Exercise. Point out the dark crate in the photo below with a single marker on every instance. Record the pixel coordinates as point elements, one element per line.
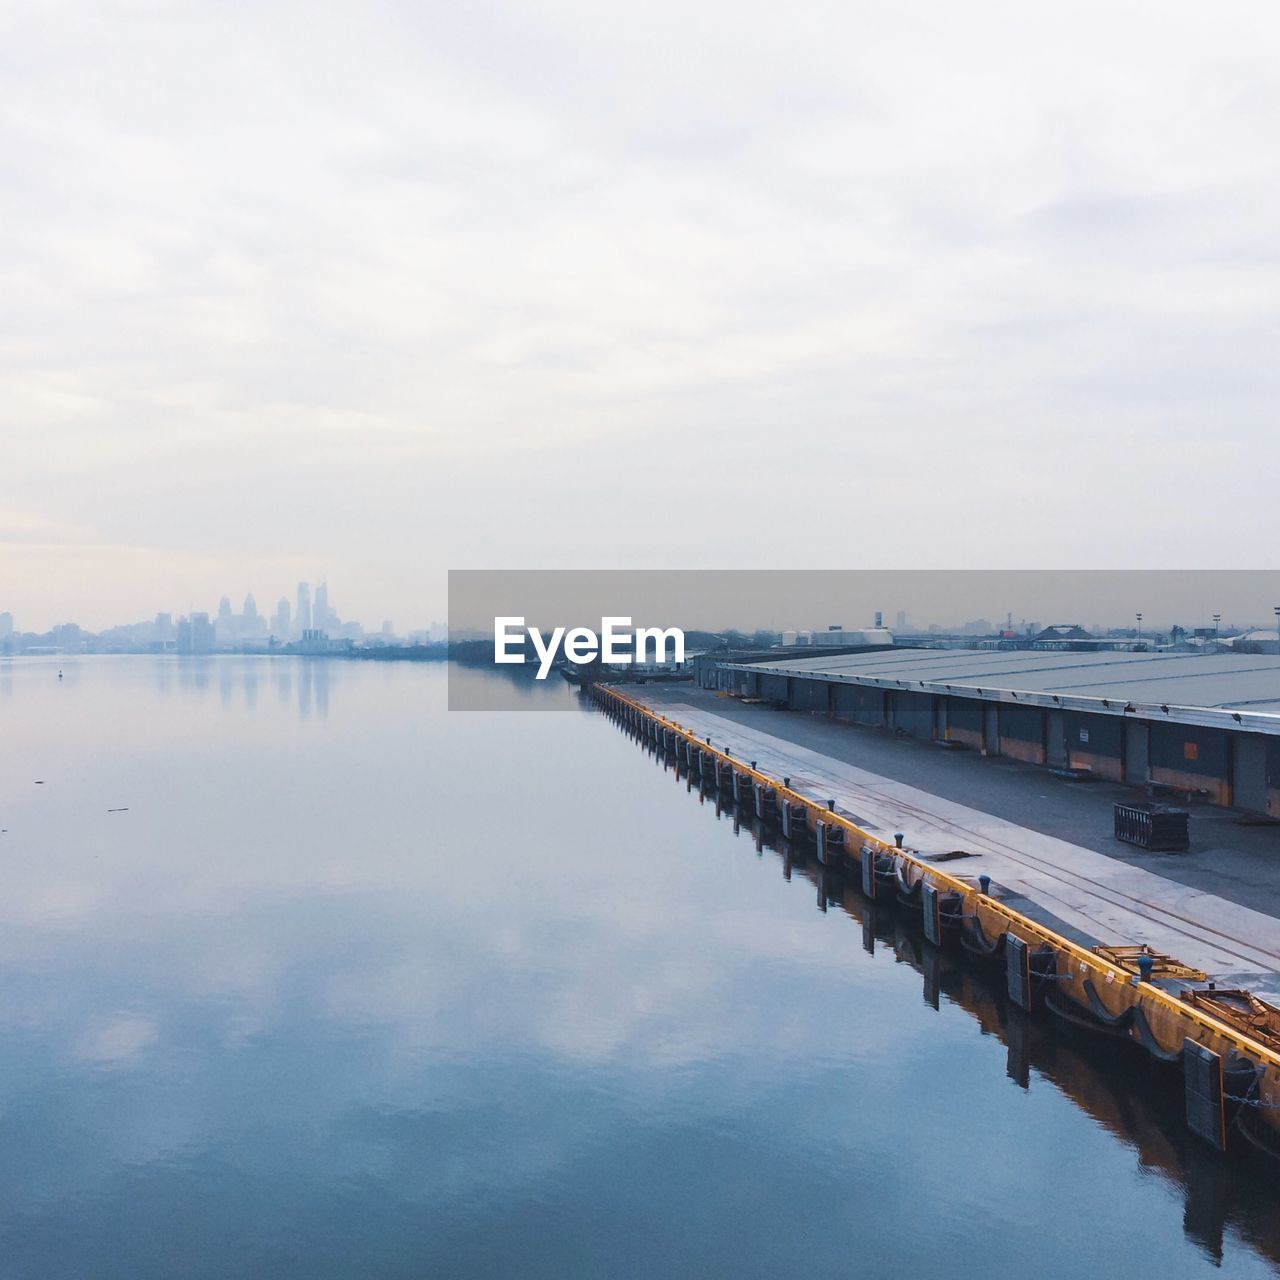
<point>1153,826</point>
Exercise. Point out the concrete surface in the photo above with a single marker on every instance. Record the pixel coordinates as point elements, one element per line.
<point>1045,838</point>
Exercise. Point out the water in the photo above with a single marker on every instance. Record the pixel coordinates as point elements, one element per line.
<point>359,987</point>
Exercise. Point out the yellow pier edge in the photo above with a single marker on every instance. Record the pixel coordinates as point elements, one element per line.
<point>1169,1018</point>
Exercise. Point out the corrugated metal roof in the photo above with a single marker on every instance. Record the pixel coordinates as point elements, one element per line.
<point>1240,691</point>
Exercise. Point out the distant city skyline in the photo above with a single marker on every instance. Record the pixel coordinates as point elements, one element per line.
<point>311,611</point>
<point>225,626</point>
<point>219,602</point>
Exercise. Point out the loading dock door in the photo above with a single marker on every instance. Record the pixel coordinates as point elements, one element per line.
<point>1055,740</point>
<point>990,729</point>
<point>1137,753</point>
<point>1248,772</point>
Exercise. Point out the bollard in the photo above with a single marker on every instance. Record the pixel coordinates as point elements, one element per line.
<point>984,884</point>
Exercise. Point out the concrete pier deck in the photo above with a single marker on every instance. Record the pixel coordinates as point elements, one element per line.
<point>1046,842</point>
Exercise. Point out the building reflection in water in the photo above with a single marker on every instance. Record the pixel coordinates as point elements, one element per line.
<point>303,682</point>
<point>312,677</point>
<point>319,675</point>
<point>282,680</point>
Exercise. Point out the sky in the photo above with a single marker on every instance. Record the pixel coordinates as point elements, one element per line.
<point>369,292</point>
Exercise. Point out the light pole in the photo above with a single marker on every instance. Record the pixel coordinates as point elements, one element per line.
<point>1138,643</point>
<point>1217,618</point>
<point>1278,628</point>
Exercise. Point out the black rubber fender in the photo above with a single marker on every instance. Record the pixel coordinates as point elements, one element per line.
<point>907,892</point>
<point>1240,1076</point>
<point>1257,1133</point>
<point>1147,1037</point>
<point>975,939</point>
<point>1095,1019</point>
<point>1118,1021</point>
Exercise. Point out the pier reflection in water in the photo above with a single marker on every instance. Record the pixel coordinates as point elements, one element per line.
<point>1121,1088</point>
<point>359,987</point>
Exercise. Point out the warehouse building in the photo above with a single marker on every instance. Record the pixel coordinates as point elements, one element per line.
<point>1203,725</point>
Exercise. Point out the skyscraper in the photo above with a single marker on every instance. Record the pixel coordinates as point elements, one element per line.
<point>225,628</point>
<point>320,618</point>
<point>202,633</point>
<point>253,626</point>
<point>195,634</point>
<point>302,615</point>
<point>280,623</point>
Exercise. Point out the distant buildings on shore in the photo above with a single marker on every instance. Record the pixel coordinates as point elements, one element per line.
<point>310,626</point>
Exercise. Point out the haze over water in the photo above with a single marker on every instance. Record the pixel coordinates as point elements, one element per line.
<point>349,985</point>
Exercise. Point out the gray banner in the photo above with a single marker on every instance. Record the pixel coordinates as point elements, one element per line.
<point>725,611</point>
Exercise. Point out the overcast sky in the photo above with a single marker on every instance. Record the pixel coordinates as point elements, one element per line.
<point>372,291</point>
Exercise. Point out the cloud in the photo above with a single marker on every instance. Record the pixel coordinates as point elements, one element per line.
<point>377,284</point>
<point>116,1039</point>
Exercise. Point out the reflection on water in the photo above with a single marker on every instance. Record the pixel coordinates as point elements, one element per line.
<point>1136,1099</point>
<point>301,683</point>
<point>356,987</point>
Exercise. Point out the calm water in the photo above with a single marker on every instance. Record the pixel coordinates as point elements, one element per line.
<point>357,987</point>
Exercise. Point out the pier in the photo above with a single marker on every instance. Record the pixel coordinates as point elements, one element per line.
<point>1190,975</point>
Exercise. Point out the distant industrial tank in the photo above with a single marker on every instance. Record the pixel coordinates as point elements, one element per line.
<point>859,636</point>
